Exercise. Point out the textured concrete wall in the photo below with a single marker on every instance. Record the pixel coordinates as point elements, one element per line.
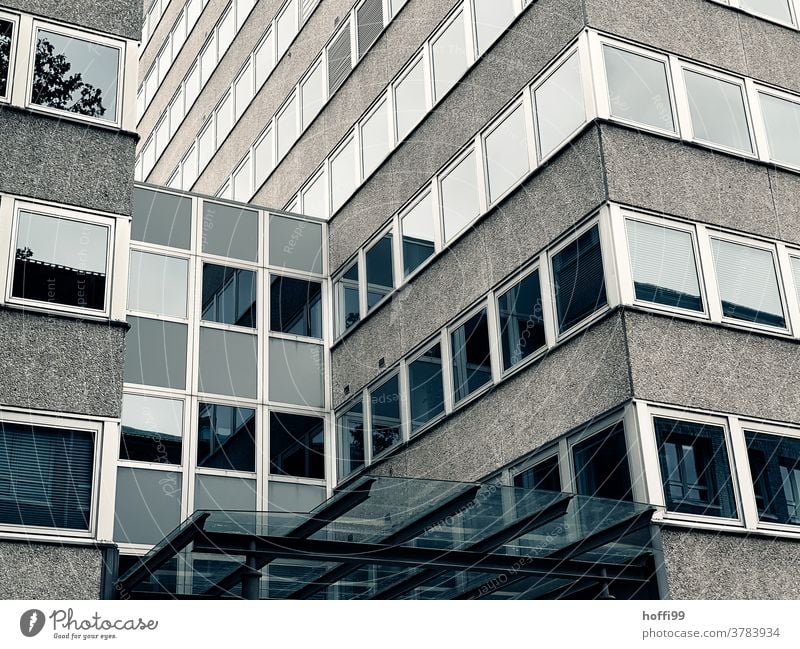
<point>712,565</point>
<point>41,571</point>
<point>77,164</point>
<point>62,364</point>
<point>119,17</point>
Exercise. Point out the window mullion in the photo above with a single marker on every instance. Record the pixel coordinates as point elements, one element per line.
<point>685,129</point>
<point>649,452</point>
<point>742,475</point>
<point>761,141</point>
<point>548,303</point>
<point>709,273</point>
<point>790,291</point>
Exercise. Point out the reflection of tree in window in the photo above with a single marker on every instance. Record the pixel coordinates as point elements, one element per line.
<point>6,31</point>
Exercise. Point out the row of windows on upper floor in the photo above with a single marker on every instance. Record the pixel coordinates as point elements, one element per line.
<point>151,19</point>
<point>631,85</point>
<point>626,257</point>
<point>784,12</point>
<point>61,70</point>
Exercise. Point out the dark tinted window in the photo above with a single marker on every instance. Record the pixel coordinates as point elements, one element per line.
<point>296,306</point>
<point>775,467</point>
<point>155,353</point>
<point>521,320</point>
<point>152,429</point>
<point>426,387</point>
<point>578,276</point>
<point>379,271</point>
<point>295,244</point>
<point>161,218</point>
<point>601,465</point>
<point>226,438</point>
<point>6,34</point>
<point>297,445</point>
<point>230,231</point>
<point>229,295</point>
<point>471,355</point>
<point>350,436</point>
<point>544,475</point>
<point>385,413</point>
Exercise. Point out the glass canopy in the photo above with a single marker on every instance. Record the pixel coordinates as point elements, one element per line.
<point>398,538</point>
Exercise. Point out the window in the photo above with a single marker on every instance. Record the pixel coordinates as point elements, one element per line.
<point>748,284</point>
<point>601,465</point>
<point>243,9</point>
<point>663,265</point>
<point>296,306</point>
<point>312,92</point>
<point>507,153</point>
<point>297,445</point>
<point>157,284</point>
<point>397,5</point>
<point>189,168</point>
<point>229,295</point>
<point>148,505</point>
<point>208,61</point>
<point>192,85</point>
<point>343,175</point>
<point>426,389</point>
<point>559,105</point>
<point>287,127</point>
<point>542,475</point>
<point>385,415</point>
<point>417,226</point>
<point>459,192</point>
<point>150,85</point>
<point>775,468</point>
<point>225,32</point>
<point>242,181</point>
<point>265,59</point>
<point>291,496</point>
<point>76,75</point>
<point>286,26</point>
<point>347,299</point>
<point>795,263</point>
<point>295,244</point>
<point>224,115</point>
<point>155,353</point>
<point>225,493</point>
<point>161,136</point>
<point>176,112</point>
<point>375,138</point>
<point>296,373</point>
<point>492,17</point>
<point>339,59</point>
<point>178,35</point>
<point>243,91</point>
<point>152,429</point>
<point>350,440</point>
<point>521,320</point>
<point>230,231</point>
<point>449,56</point>
<point>46,476</point>
<point>472,367</point>
<point>164,62</point>
<point>315,197</point>
<point>695,471</point>
<point>205,144</point>
<point>228,363</point>
<point>777,9</point>
<point>782,123</point>
<point>578,279</point>
<point>7,34</point>
<point>369,21</point>
<point>718,111</point>
<point>61,261</point>
<point>410,104</point>
<point>161,218</point>
<point>226,437</point>
<point>380,271</point>
<point>638,89</point>
<point>264,156</point>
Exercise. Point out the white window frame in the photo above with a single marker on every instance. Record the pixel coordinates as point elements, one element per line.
<point>737,4</point>
<point>760,121</point>
<point>520,103</point>
<point>321,175</point>
<point>461,11</point>
<point>412,358</point>
<point>482,305</point>
<point>423,59</point>
<point>440,177</point>
<point>367,248</point>
<point>143,248</point>
<point>427,191</point>
<point>350,139</point>
<point>337,278</point>
<point>382,103</point>
<point>551,450</point>
<point>293,99</point>
<point>307,116</point>
<point>384,379</point>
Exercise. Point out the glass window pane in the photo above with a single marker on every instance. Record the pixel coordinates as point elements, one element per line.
<point>192,86</point>
<point>157,284</point>
<point>492,17</point>
<point>242,186</point>
<point>507,153</point>
<point>315,197</point>
<point>208,61</point>
<point>230,231</point>
<point>229,295</point>
<point>75,75</point>
<point>663,265</point>
<point>449,56</point>
<point>777,9</point>
<point>295,244</point>
<point>748,285</point>
<point>155,353</point>
<point>775,468</point>
<point>297,445</point>
<point>521,320</point>
<point>375,141</point>
<point>559,105</point>
<point>460,203</point>
<point>243,90</point>
<point>409,100</point>
<point>694,468</point>
<point>343,175</point>
<point>795,261</point>
<point>60,261</point>
<point>350,436</point>
<point>417,226</point>
<point>264,155</point>
<point>152,429</point>
<point>426,387</point>
<point>295,306</point>
<point>601,465</point>
<point>224,115</point>
<point>472,367</point>
<point>6,36</point>
<point>718,113</point>
<point>226,437</point>
<point>228,363</point>
<point>148,505</point>
<point>226,32</point>
<point>293,497</point>
<point>637,88</point>
<point>296,372</point>
<point>229,494</point>
<point>346,292</point>
<point>265,59</point>
<point>161,218</point>
<point>580,287</point>
<point>189,169</point>
<point>287,26</point>
<point>287,128</point>
<point>380,278</point>
<point>544,475</point>
<point>385,415</point>
<point>782,122</point>
<point>313,94</point>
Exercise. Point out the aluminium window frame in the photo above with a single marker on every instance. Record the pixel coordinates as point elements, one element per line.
<point>551,450</point>
<point>14,19</point>
<point>422,58</point>
<point>267,437</point>
<point>383,102</point>
<point>229,402</point>
<point>483,304</point>
<point>401,407</point>
<point>152,392</point>
<point>318,66</point>
<point>461,11</point>
<point>144,248</point>
<point>321,175</point>
<point>364,285</point>
<point>288,273</point>
<point>352,138</point>
<point>473,148</point>
<point>429,191</point>
<point>759,89</point>
<point>356,261</point>
<point>440,339</point>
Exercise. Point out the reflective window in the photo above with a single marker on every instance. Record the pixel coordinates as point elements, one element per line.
<point>521,320</point>
<point>155,353</point>
<point>75,75</point>
<point>226,437</point>
<point>157,284</point>
<point>226,32</point>
<point>449,57</point>
<point>161,218</point>
<point>346,293</point>
<point>297,445</point>
<point>417,226</point>
<point>229,295</point>
<point>601,465</point>
<point>228,363</point>
<point>559,105</point>
<point>380,277</point>
<point>507,153</point>
<point>230,231</point>
<point>148,505</point>
<point>312,91</point>
<point>293,497</point>
<point>315,199</point>
<point>265,59</point>
<point>694,468</point>
<point>343,175</point>
<point>264,157</point>
<point>580,288</point>
<point>775,468</point>
<point>748,284</point>
<point>543,475</point>
<point>60,261</point>
<point>426,389</point>
<point>472,367</point>
<point>492,17</point>
<point>409,100</point>
<point>385,415</point>
<point>295,306</point>
<point>777,9</point>
<point>296,373</point>
<point>663,265</point>
<point>718,112</point>
<point>286,26</point>
<point>224,115</point>
<point>375,140</point>
<point>295,244</point>
<point>460,202</point>
<point>152,429</point>
<point>637,88</point>
<point>287,127</point>
<point>782,123</point>
<point>242,182</point>
<point>350,440</point>
<point>243,90</point>
<point>226,493</point>
<point>6,38</point>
